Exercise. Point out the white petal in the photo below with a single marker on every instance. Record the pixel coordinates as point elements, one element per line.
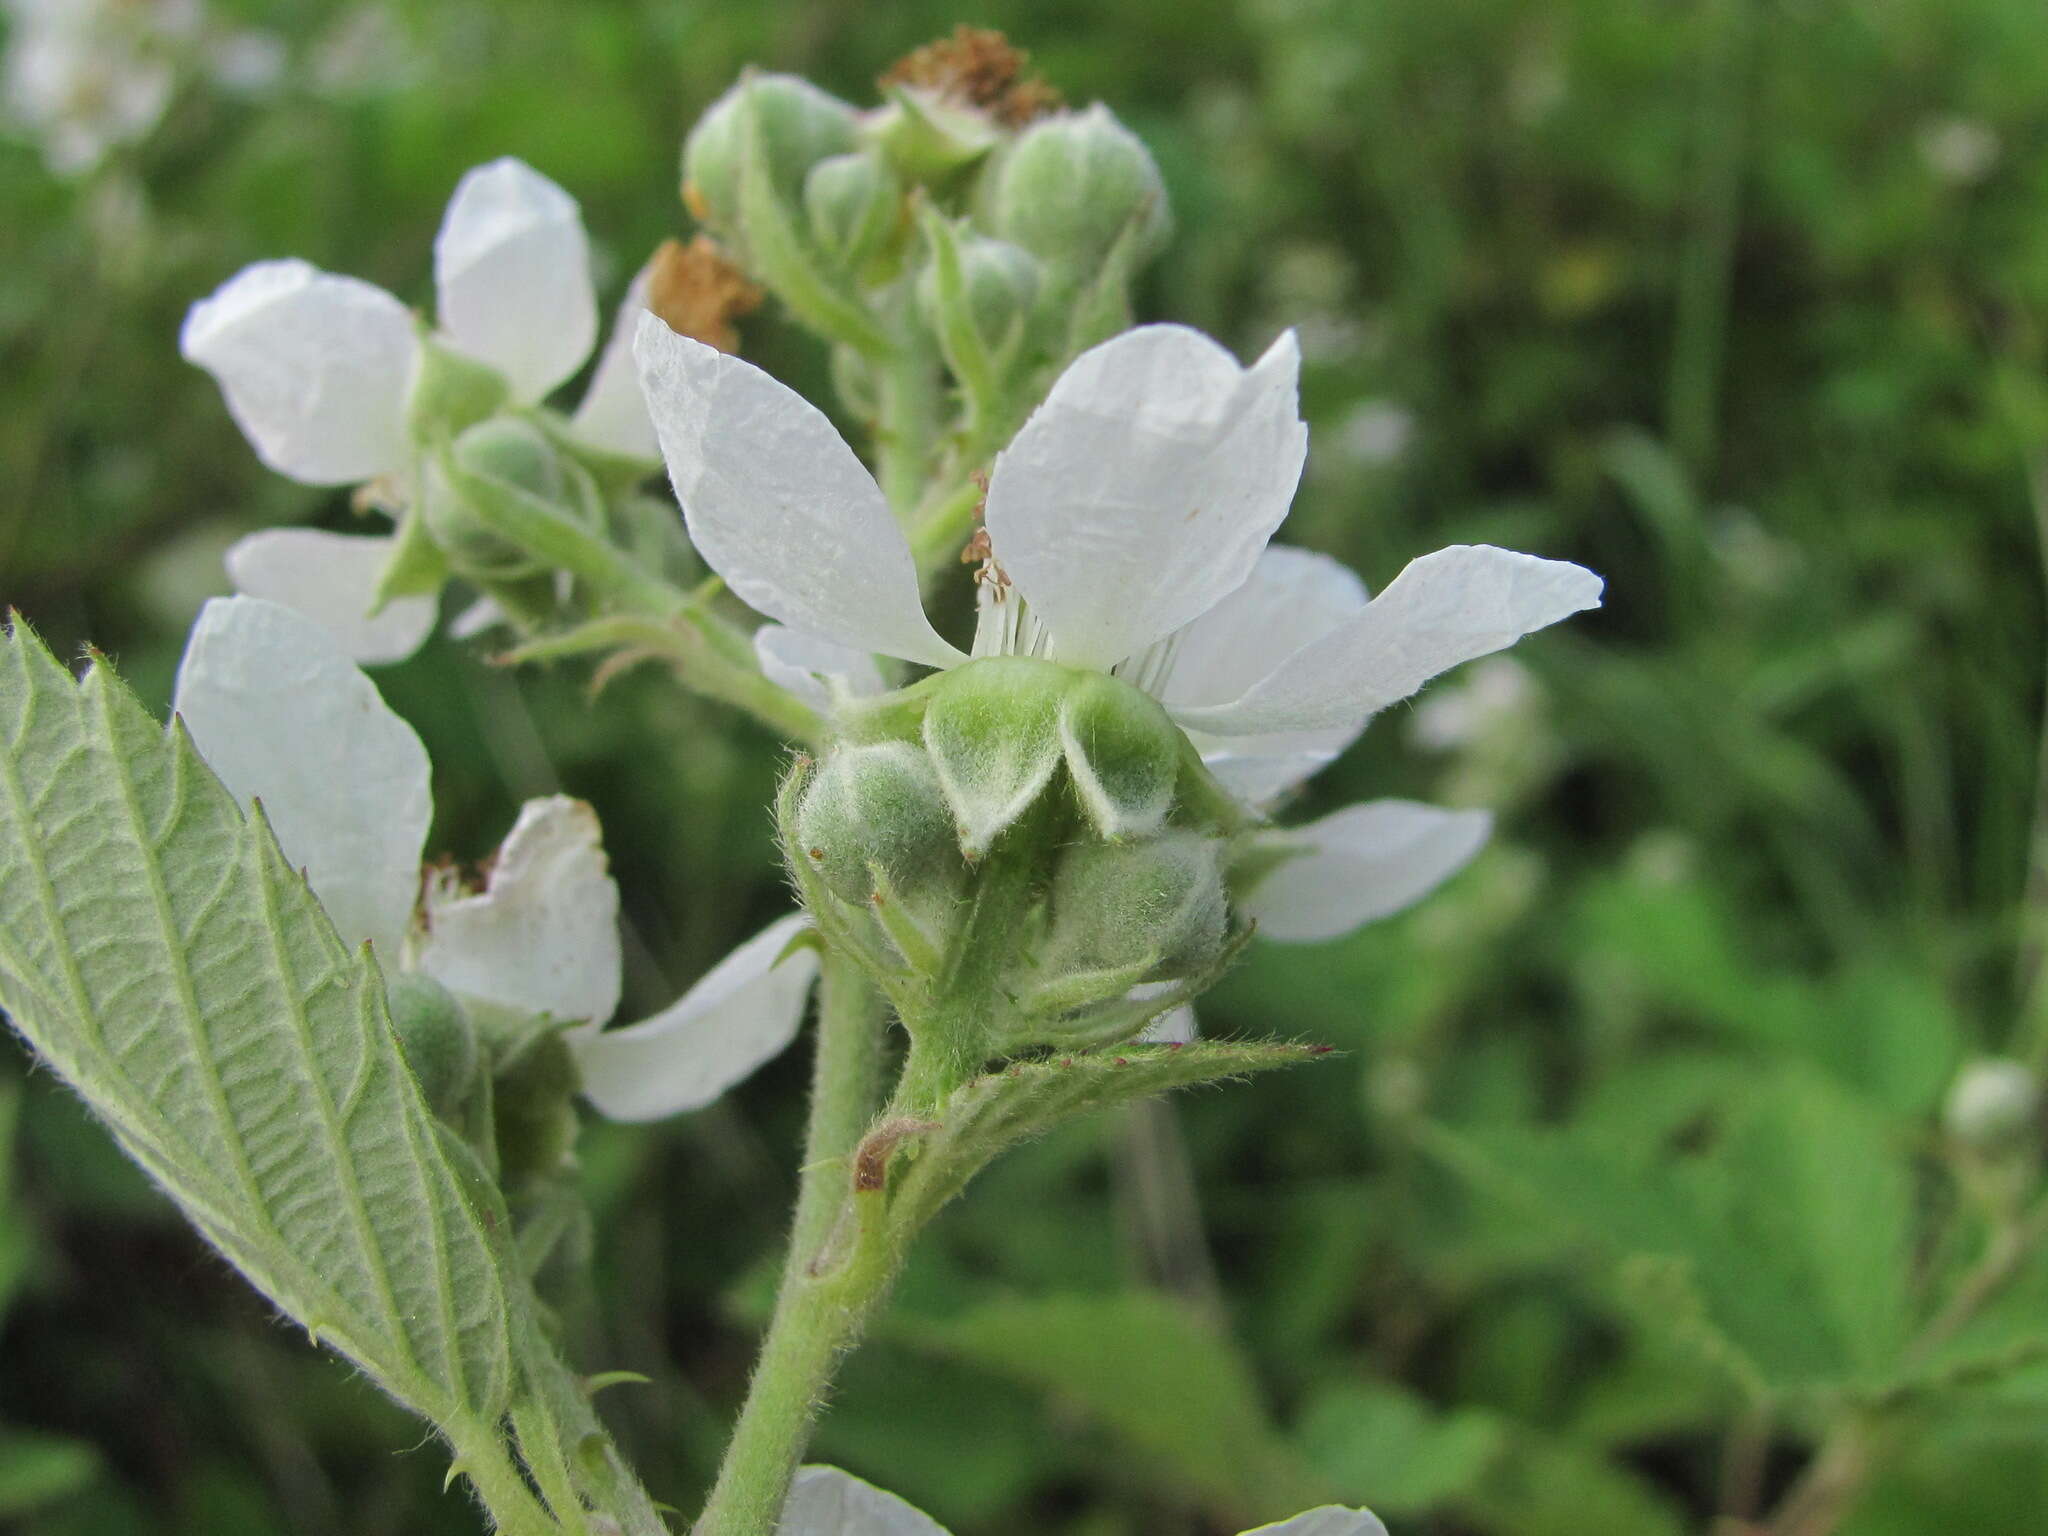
<point>482,615</point>
<point>315,368</point>
<point>332,579</point>
<point>1330,1520</point>
<point>1176,1026</point>
<point>820,672</point>
<point>824,1501</point>
<point>1362,863</point>
<point>1260,778</point>
<point>512,271</point>
<point>1293,596</point>
<point>1141,492</point>
<point>613,413</point>
<point>543,934</point>
<point>779,505</point>
<point>1457,604</point>
<point>282,715</point>
<point>740,1015</point>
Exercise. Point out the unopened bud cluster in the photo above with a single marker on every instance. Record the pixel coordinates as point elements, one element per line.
<point>1020,831</point>
<point>986,225</point>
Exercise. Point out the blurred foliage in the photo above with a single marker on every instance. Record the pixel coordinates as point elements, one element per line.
<point>1631,1188</point>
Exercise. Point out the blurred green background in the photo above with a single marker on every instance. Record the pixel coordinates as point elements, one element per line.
<point>1630,1185</point>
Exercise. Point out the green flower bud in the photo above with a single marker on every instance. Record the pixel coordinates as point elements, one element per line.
<point>1992,1103</point>
<point>875,811</point>
<point>992,730</point>
<point>497,473</point>
<point>1000,283</point>
<point>1073,185</point>
<point>437,1037</point>
<point>1145,911</point>
<point>534,1101</point>
<point>1133,912</point>
<point>798,126</point>
<point>1123,753</point>
<point>854,205</point>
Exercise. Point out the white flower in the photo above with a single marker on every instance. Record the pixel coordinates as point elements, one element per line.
<point>1128,529</point>
<point>86,76</point>
<point>283,716</point>
<point>318,371</point>
<point>824,1501</point>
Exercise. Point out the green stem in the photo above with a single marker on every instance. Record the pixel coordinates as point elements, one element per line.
<point>846,1091</point>
<point>818,1314</point>
<point>481,1457</point>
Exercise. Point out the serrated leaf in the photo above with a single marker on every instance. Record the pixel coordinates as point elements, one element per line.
<point>158,951</point>
<point>1172,1387</point>
<point>987,1114</point>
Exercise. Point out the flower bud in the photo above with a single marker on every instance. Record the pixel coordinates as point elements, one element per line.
<point>1146,911</point>
<point>1072,187</point>
<point>500,466</point>
<point>854,205</point>
<point>1000,284</point>
<point>993,734</point>
<point>797,126</point>
<point>1991,1103</point>
<point>878,810</point>
<point>1123,753</point>
<point>533,1100</point>
<point>437,1037</point>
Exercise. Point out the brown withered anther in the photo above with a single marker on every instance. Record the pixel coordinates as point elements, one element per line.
<point>979,68</point>
<point>699,292</point>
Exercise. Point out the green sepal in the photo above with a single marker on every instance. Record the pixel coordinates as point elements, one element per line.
<point>929,142</point>
<point>1123,753</point>
<point>416,566</point>
<point>451,392</point>
<point>993,733</point>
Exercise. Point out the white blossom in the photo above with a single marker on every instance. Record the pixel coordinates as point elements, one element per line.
<point>87,76</point>
<point>285,719</point>
<point>824,1501</point>
<point>318,370</point>
<point>1127,530</point>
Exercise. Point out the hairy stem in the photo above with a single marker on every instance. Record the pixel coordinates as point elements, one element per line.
<point>480,1456</point>
<point>820,1306</point>
<point>846,1091</point>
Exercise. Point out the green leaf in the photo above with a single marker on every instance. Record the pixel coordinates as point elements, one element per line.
<point>162,955</point>
<point>995,1111</point>
<point>1174,1388</point>
<point>1387,1448</point>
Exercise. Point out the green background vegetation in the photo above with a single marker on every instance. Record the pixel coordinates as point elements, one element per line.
<point>1629,1186</point>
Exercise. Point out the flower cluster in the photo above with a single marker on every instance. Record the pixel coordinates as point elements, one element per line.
<point>335,382</point>
<point>289,722</point>
<point>1129,601</point>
